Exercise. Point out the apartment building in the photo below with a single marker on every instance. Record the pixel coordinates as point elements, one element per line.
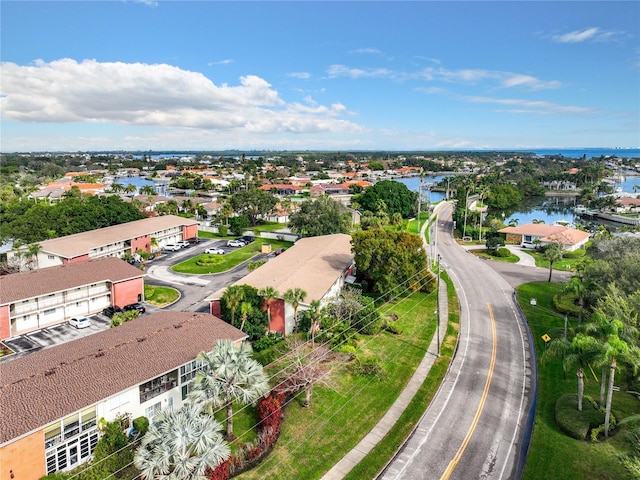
<point>40,298</point>
<point>52,400</point>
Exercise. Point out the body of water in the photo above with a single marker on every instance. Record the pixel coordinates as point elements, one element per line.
<point>588,152</point>
<point>139,182</point>
<point>413,184</point>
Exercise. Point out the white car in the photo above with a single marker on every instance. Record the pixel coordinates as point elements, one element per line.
<point>172,247</point>
<point>80,322</point>
<point>183,244</point>
<point>235,243</point>
<point>214,251</point>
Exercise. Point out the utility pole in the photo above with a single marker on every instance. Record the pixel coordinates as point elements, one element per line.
<point>419,198</point>
<point>438,308</point>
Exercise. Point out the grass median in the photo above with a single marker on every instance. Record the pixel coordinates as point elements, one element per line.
<point>205,264</point>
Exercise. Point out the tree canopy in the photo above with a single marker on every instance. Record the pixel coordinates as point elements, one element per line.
<point>253,203</point>
<point>33,222</point>
<point>323,216</point>
<point>396,197</point>
<point>390,262</point>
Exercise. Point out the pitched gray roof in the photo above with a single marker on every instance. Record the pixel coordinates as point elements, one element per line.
<point>47,385</point>
<point>34,283</point>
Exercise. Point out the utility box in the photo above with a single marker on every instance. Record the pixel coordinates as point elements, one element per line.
<point>266,248</point>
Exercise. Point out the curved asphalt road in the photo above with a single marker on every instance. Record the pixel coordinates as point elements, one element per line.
<point>474,427</point>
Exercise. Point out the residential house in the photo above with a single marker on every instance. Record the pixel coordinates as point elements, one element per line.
<point>317,265</point>
<point>113,241</point>
<point>53,399</point>
<point>44,297</point>
<point>531,235</point>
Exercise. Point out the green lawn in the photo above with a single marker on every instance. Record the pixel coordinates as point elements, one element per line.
<point>566,264</point>
<point>160,296</point>
<point>552,451</point>
<point>482,253</point>
<point>222,263</point>
<point>313,439</point>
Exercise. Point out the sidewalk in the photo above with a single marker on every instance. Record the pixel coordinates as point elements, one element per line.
<point>352,458</point>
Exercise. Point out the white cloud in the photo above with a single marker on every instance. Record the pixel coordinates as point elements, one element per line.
<point>300,75</point>
<point>153,95</point>
<point>226,61</point>
<point>593,34</point>
<point>344,71</point>
<point>367,51</point>
<point>465,76</point>
<point>540,107</point>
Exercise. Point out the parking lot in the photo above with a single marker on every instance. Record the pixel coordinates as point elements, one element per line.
<point>54,335</point>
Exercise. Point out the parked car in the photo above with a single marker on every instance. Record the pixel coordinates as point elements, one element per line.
<point>214,251</point>
<point>278,251</point>
<point>193,241</point>
<point>235,243</point>
<point>247,239</point>
<point>80,322</point>
<point>134,306</point>
<point>172,247</point>
<point>184,244</point>
<point>111,311</point>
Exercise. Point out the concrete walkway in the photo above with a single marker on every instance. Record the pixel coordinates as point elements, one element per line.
<point>523,257</point>
<point>352,458</point>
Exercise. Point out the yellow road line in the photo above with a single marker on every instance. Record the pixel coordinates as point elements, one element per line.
<point>454,463</point>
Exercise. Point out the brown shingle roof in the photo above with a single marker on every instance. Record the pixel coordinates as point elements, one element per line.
<point>80,243</point>
<point>312,264</point>
<point>24,285</point>
<point>47,385</point>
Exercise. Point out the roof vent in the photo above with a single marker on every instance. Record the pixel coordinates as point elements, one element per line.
<point>178,326</point>
<point>140,339</point>
<point>49,372</point>
<point>99,354</point>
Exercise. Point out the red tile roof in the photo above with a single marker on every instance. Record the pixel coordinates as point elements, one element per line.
<point>44,386</point>
<point>43,281</point>
<point>549,233</point>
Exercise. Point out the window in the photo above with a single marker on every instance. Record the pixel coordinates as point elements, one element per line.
<point>118,401</point>
<point>158,385</point>
<point>49,311</point>
<point>152,411</point>
<point>188,372</point>
<point>51,257</point>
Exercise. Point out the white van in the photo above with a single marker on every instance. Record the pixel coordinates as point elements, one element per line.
<point>80,322</point>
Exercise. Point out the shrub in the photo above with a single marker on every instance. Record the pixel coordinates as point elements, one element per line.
<point>141,425</point>
<point>575,253</point>
<point>348,350</point>
<point>221,472</point>
<point>574,423</point>
<point>503,253</point>
<point>268,341</point>
<point>222,231</point>
<point>368,366</point>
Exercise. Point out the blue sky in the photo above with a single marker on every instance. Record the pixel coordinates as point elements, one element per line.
<point>326,75</point>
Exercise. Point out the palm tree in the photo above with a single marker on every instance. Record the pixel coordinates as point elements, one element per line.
<point>32,251</point>
<point>579,352</point>
<point>233,297</point>
<point>229,375</point>
<point>246,309</point>
<point>553,253</point>
<point>269,294</point>
<point>316,316</point>
<point>295,296</point>
<point>579,288</point>
<point>147,190</point>
<point>130,188</point>
<point>117,187</point>
<point>181,444</point>
<point>226,210</point>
